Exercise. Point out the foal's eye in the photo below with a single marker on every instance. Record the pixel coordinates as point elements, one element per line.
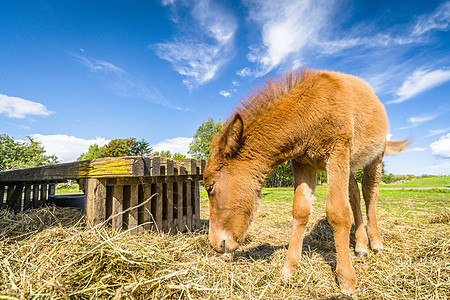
<point>209,187</point>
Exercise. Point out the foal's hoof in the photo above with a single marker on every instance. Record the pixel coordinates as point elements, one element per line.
<point>361,254</point>
<point>377,251</point>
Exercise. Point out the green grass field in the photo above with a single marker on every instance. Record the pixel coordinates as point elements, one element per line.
<point>47,253</point>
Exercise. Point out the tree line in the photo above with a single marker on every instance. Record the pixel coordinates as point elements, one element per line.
<point>31,153</point>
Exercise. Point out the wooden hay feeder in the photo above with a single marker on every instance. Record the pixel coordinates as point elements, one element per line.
<point>135,193</point>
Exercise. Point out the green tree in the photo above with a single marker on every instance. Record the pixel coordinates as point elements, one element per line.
<point>118,148</point>
<point>167,154</point>
<point>281,176</point>
<point>177,155</point>
<point>18,155</point>
<point>93,152</point>
<point>200,147</point>
<point>163,153</point>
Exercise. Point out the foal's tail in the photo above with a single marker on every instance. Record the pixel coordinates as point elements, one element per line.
<point>395,147</point>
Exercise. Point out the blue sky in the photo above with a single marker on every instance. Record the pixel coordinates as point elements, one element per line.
<point>73,73</point>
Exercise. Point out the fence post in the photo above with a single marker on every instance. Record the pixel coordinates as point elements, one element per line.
<point>95,200</point>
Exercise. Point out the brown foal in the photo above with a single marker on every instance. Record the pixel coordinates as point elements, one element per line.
<point>320,121</point>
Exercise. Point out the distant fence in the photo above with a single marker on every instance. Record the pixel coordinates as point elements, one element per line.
<point>154,192</point>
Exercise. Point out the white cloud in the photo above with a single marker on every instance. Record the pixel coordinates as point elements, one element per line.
<point>438,20</point>
<point>437,132</point>
<point>416,121</point>
<point>245,72</point>
<point>199,55</point>
<point>288,27</point>
<point>95,65</point>
<point>416,149</point>
<point>225,94</point>
<point>388,137</point>
<point>67,148</point>
<point>441,147</point>
<point>174,145</point>
<point>19,108</point>
<point>420,81</point>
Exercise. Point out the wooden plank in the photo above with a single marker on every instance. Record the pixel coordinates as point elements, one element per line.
<point>188,206</point>
<point>27,203</point>
<point>195,197</point>
<point>180,223</point>
<point>35,199</point>
<point>117,206</point>
<point>159,206</point>
<point>94,203</point>
<point>147,206</point>
<point>133,215</point>
<point>170,223</point>
<point>97,168</point>
<point>43,195</point>
<point>165,225</point>
<point>14,197</point>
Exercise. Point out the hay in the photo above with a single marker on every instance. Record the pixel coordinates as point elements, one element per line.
<point>47,253</point>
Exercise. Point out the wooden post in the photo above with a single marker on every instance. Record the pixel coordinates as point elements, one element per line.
<point>133,215</point>
<point>95,200</point>
<point>27,204</point>
<point>180,223</point>
<point>196,202</point>
<point>43,197</point>
<point>35,195</point>
<point>159,206</point>
<point>189,204</point>
<point>170,223</point>
<point>117,206</point>
<point>147,206</point>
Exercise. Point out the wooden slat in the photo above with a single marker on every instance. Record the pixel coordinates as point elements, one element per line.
<point>117,206</point>
<point>94,203</point>
<point>133,215</point>
<point>159,206</point>
<point>96,168</point>
<point>14,195</point>
<point>35,199</point>
<point>188,206</point>
<point>27,203</point>
<point>147,206</point>
<point>170,223</point>
<point>180,223</point>
<point>196,200</point>
<point>43,194</point>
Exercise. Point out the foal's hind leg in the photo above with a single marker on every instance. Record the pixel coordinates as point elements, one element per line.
<point>305,182</point>
<point>360,232</point>
<point>372,174</point>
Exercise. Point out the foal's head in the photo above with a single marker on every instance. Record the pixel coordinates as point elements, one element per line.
<point>232,188</point>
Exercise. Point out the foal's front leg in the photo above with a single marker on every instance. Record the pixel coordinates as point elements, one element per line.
<point>305,182</point>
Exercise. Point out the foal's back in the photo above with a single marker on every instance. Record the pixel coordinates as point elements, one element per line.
<point>340,106</point>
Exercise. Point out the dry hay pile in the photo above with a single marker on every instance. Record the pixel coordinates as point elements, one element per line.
<point>47,253</point>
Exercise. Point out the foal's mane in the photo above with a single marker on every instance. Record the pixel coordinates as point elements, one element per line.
<point>265,96</point>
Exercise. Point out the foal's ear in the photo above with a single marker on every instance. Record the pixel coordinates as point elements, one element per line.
<point>232,138</point>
